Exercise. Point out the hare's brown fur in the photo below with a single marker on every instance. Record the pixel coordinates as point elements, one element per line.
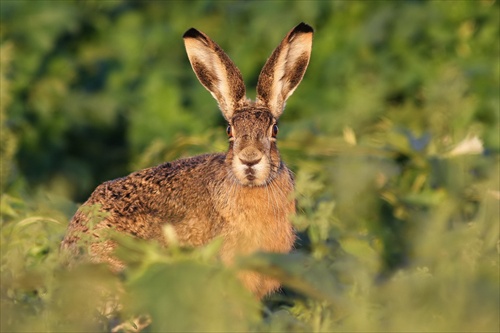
<point>245,196</point>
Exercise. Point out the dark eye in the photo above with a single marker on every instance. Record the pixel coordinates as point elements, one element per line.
<point>275,130</point>
<point>229,131</point>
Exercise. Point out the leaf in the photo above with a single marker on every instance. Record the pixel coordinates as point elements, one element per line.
<point>471,145</point>
<point>297,271</point>
<point>188,296</point>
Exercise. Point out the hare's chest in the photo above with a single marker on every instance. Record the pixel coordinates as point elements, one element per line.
<point>256,222</point>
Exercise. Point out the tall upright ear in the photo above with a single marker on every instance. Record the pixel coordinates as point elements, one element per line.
<point>215,71</point>
<point>285,69</point>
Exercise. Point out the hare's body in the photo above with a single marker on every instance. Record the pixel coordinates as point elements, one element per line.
<point>245,195</point>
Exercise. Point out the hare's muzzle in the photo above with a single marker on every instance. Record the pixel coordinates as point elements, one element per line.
<point>251,166</point>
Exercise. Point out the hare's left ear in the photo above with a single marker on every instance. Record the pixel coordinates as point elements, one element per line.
<point>215,71</point>
<point>284,69</point>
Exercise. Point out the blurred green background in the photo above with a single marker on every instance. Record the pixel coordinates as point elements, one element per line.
<point>393,136</point>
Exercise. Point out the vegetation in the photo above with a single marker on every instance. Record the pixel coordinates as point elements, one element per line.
<point>393,136</point>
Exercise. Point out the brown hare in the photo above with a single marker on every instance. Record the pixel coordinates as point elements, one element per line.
<point>245,196</point>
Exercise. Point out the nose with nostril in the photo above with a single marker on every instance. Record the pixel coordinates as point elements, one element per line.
<point>250,162</point>
<point>250,156</point>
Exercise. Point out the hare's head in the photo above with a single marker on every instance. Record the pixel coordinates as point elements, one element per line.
<point>252,126</point>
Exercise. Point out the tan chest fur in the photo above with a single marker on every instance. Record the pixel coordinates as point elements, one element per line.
<point>258,219</point>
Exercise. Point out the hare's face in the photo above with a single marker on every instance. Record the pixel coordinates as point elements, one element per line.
<point>253,156</point>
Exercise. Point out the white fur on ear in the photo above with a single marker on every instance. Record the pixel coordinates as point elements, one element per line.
<point>285,69</point>
<point>215,70</point>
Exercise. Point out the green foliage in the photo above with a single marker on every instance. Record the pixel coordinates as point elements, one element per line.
<point>393,137</point>
<point>8,141</point>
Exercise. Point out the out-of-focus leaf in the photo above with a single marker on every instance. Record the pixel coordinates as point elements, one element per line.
<point>298,271</point>
<point>191,296</point>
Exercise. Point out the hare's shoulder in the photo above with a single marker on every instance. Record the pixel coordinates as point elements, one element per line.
<point>160,175</point>
<point>145,183</point>
<point>184,165</point>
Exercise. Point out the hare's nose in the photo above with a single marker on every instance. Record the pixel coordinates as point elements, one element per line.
<point>250,156</point>
<point>251,162</point>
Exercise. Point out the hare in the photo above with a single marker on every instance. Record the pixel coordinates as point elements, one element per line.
<point>245,195</point>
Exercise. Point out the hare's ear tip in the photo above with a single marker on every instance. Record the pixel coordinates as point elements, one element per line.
<point>303,28</point>
<point>192,33</point>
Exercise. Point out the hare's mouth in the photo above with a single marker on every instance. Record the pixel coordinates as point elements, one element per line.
<point>251,175</point>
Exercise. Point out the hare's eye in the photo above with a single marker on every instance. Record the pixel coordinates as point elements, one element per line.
<point>275,130</point>
<point>229,131</point>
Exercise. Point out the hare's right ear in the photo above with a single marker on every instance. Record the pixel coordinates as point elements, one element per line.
<point>284,69</point>
<point>215,71</point>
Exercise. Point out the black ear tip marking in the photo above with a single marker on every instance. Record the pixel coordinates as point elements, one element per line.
<point>192,33</point>
<point>303,28</point>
